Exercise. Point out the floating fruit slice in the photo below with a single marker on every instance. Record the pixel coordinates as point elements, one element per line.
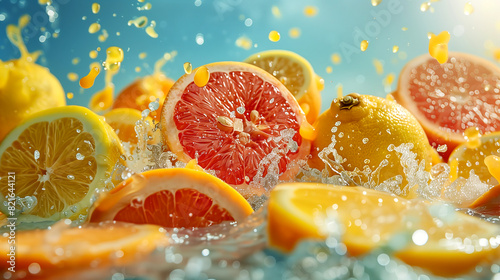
<point>61,251</point>
<point>488,203</point>
<point>174,197</point>
<point>467,157</point>
<point>297,74</point>
<point>143,91</point>
<point>448,98</point>
<point>443,242</point>
<point>57,158</point>
<point>124,120</point>
<point>365,127</point>
<point>242,115</point>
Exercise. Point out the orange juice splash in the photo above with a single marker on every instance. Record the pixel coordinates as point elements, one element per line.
<point>473,137</point>
<point>142,55</point>
<point>103,99</point>
<point>150,30</point>
<point>93,54</point>
<point>438,46</point>
<point>14,35</point>
<point>139,22</point>
<point>201,76</point>
<point>145,7</point>
<point>164,59</point>
<point>244,42</point>
<point>69,95</point>
<point>395,49</point>
<point>364,45</point>
<point>88,81</point>
<point>104,36</point>
<point>94,27</point>
<point>307,131</point>
<point>274,36</point>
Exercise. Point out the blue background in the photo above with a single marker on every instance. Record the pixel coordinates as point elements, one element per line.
<point>338,27</point>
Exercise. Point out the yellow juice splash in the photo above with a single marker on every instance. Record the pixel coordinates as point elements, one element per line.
<point>88,81</point>
<point>438,46</point>
<point>201,76</point>
<point>14,35</point>
<point>274,36</point>
<point>103,99</point>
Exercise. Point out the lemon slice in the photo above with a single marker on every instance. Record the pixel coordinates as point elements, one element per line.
<point>445,242</point>
<point>54,162</point>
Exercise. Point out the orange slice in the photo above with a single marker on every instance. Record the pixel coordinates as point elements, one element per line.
<point>143,91</point>
<point>297,74</point>
<point>175,197</point>
<point>450,97</point>
<point>447,244</point>
<point>61,251</point>
<point>233,121</point>
<point>57,159</point>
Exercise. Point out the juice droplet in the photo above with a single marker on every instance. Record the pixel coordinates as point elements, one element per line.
<point>310,11</point>
<point>276,11</point>
<point>389,79</point>
<point>473,137</point>
<point>294,32</point>
<point>93,54</point>
<point>143,55</point>
<point>336,58</point>
<point>139,22</point>
<point>137,69</point>
<point>114,58</point>
<point>188,68</point>
<point>45,2</point>
<point>150,30</point>
<point>340,91</point>
<point>75,61</point>
<point>379,67</point>
<point>307,131</point>
<point>118,33</point>
<point>274,36</point>
<point>244,42</point>
<point>94,27</point>
<point>425,6</point>
<point>395,49</point>
<point>364,45</point>
<point>492,162</point>
<point>88,81</point>
<point>201,76</point>
<point>404,28</point>
<point>95,8</point>
<point>145,7</point>
<point>438,46</point>
<point>329,69</point>
<point>164,59</point>
<point>376,2</point>
<point>104,36</point>
<point>69,95</point>
<point>72,76</point>
<point>468,9</point>
<point>102,100</point>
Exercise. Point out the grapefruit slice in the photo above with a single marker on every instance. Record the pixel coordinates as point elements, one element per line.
<point>297,74</point>
<point>233,122</point>
<point>448,98</point>
<point>55,161</point>
<point>61,251</point>
<point>174,197</point>
<point>445,244</point>
<point>143,91</point>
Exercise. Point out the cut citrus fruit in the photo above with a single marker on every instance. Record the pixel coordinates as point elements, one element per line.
<point>448,98</point>
<point>143,91</point>
<point>242,115</point>
<point>488,203</point>
<point>124,121</point>
<point>447,244</point>
<point>365,128</point>
<point>297,74</point>
<point>58,158</point>
<point>464,158</point>
<point>174,197</point>
<point>63,251</point>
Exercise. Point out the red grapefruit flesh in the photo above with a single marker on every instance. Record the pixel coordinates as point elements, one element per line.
<point>233,122</point>
<point>448,98</point>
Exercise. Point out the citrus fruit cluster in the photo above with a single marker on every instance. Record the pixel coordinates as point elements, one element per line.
<point>239,129</point>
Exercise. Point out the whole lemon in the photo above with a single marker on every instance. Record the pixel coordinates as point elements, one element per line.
<point>26,88</point>
<point>367,130</point>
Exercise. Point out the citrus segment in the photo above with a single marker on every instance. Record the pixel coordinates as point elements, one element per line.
<point>450,97</point>
<point>176,197</point>
<point>65,250</point>
<point>371,219</point>
<point>60,157</point>
<point>143,91</point>
<point>298,76</point>
<point>242,115</point>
